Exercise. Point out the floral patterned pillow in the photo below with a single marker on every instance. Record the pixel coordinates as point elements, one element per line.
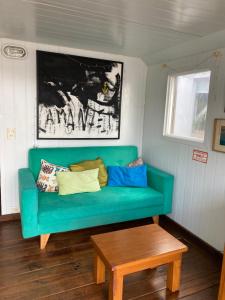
<point>137,162</point>
<point>47,176</point>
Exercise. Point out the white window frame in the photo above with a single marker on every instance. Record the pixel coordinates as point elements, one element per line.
<point>170,100</point>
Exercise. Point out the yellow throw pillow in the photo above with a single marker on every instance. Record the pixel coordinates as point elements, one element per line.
<point>92,164</point>
<point>78,182</point>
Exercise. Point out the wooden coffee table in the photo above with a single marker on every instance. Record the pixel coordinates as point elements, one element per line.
<point>127,251</point>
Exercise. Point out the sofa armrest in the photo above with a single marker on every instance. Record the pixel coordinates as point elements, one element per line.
<point>163,183</point>
<point>28,196</point>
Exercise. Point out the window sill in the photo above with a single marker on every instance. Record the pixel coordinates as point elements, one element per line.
<point>186,141</point>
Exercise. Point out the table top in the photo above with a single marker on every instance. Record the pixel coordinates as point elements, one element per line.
<point>135,244</point>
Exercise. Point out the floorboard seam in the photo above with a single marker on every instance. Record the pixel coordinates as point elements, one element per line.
<point>75,288</point>
<point>146,294</point>
<point>209,287</point>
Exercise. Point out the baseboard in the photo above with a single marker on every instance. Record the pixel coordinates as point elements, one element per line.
<point>10,217</point>
<point>191,237</point>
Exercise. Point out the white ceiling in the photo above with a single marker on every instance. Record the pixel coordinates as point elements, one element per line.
<point>140,28</point>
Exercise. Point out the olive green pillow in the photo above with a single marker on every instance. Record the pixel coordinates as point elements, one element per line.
<point>92,164</point>
<point>78,182</point>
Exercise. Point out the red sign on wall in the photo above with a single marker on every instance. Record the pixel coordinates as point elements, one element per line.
<point>200,156</point>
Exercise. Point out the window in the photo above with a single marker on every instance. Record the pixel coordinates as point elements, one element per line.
<point>186,105</point>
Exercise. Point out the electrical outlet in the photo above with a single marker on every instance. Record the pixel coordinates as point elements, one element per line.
<point>11,133</point>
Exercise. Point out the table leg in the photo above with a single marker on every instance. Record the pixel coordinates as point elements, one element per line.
<point>173,275</point>
<point>222,281</point>
<point>115,286</point>
<point>99,270</point>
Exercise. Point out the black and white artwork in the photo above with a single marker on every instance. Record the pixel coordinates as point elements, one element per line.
<point>78,97</point>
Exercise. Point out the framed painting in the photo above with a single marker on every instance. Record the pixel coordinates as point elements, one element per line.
<point>78,97</point>
<point>219,135</point>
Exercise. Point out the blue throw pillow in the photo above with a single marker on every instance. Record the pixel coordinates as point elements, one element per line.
<point>126,176</point>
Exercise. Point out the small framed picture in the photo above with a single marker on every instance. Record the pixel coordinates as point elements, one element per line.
<point>219,135</point>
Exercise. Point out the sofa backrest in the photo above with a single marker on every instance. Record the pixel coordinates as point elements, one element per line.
<point>111,155</point>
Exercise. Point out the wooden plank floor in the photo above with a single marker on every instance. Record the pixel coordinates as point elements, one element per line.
<point>64,270</point>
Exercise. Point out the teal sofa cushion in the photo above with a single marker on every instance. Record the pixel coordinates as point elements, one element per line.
<point>111,155</point>
<point>109,200</point>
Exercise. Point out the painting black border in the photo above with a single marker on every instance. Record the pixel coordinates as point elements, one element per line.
<point>37,98</point>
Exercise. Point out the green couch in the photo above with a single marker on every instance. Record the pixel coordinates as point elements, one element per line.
<point>46,213</point>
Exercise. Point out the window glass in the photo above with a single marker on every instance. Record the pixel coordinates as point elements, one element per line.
<point>186,108</point>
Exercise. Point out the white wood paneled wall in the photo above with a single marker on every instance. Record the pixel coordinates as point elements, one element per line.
<point>18,110</point>
<point>199,195</point>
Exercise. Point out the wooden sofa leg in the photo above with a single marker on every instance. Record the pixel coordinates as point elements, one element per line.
<point>43,240</point>
<point>155,219</point>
